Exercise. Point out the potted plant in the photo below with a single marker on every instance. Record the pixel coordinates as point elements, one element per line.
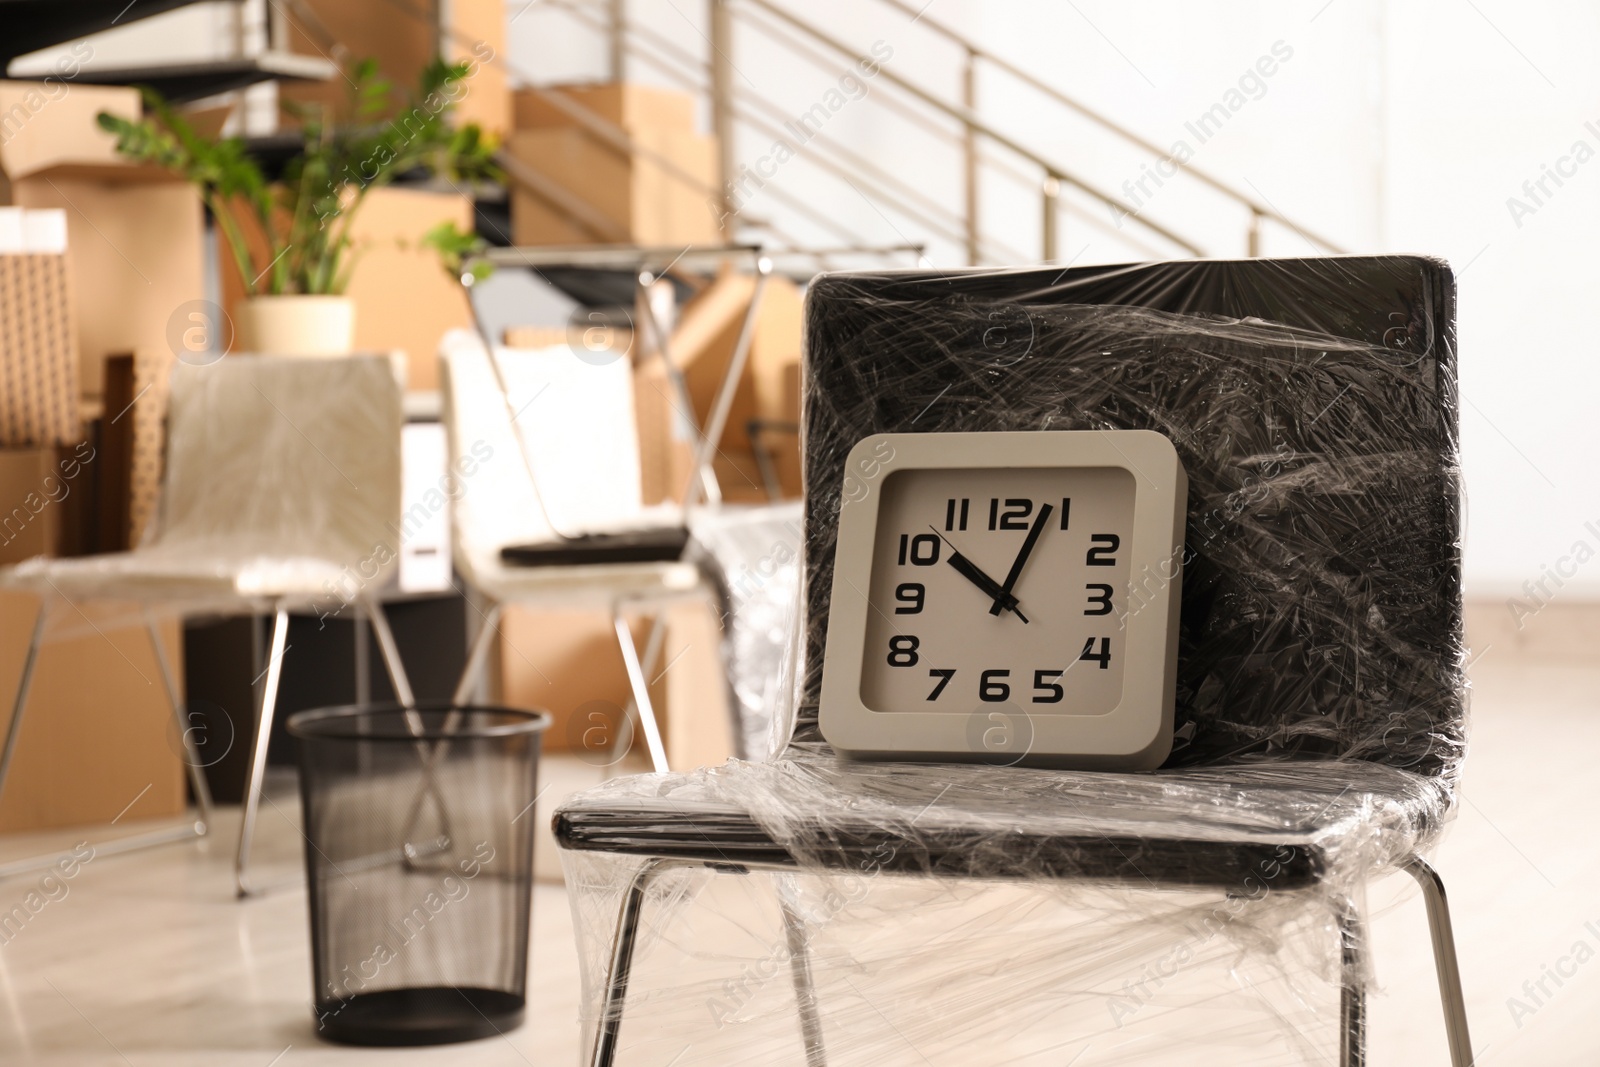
<point>291,239</point>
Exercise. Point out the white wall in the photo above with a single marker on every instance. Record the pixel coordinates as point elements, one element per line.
<point>1401,126</point>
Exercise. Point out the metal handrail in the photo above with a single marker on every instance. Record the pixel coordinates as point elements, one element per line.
<point>874,179</point>
<point>928,213</point>
<point>886,187</point>
<point>1053,171</point>
<point>619,256</point>
<point>1033,81</point>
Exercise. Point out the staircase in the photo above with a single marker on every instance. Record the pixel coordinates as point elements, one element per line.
<point>968,208</point>
<point>792,175</point>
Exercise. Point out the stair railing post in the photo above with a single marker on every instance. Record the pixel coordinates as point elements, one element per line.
<point>1052,210</point>
<point>721,70</point>
<point>969,100</point>
<point>617,38</point>
<point>1253,237</point>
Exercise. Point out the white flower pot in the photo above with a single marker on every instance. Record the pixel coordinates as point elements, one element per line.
<point>296,325</point>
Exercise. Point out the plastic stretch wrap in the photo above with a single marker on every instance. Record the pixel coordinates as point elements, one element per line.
<point>752,554</point>
<point>282,481</point>
<point>1117,918</point>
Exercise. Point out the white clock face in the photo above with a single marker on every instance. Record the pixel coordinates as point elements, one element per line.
<point>996,586</point>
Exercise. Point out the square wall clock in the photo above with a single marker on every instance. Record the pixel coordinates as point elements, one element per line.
<point>1007,598</point>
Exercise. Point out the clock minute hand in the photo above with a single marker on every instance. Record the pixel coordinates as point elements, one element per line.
<point>972,573</point>
<point>1022,558</point>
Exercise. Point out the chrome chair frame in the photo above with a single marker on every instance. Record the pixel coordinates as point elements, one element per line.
<point>1352,937</point>
<point>266,707</point>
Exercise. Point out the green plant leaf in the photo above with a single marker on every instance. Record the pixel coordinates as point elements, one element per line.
<point>306,216</point>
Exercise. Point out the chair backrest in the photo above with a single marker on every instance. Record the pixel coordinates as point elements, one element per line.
<point>1313,404</point>
<point>272,456</point>
<point>577,424</point>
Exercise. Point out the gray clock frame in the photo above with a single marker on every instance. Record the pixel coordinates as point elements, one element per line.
<point>1137,733</point>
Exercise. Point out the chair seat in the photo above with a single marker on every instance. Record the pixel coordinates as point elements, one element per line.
<point>587,585</point>
<point>175,572</point>
<point>580,584</point>
<point>1288,824</point>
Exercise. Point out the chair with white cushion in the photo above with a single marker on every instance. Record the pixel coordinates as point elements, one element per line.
<point>281,492</point>
<point>567,467</point>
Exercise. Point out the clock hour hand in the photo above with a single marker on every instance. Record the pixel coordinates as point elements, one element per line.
<point>972,573</point>
<point>1022,558</point>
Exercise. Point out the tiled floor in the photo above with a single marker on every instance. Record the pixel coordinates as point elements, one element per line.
<point>149,960</point>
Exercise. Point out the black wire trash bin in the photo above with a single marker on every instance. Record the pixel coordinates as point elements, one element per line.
<point>419,831</point>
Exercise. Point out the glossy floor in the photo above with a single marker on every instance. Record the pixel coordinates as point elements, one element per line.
<point>149,960</point>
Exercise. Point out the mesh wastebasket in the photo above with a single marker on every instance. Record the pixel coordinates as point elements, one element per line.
<point>419,859</point>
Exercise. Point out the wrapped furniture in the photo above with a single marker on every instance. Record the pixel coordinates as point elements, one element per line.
<point>970,913</point>
<point>573,467</point>
<point>281,491</point>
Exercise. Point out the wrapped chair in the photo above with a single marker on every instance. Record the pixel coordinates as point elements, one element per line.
<point>577,427</point>
<point>281,492</point>
<point>1321,698</point>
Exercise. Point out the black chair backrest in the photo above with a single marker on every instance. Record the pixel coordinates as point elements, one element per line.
<point>1313,403</point>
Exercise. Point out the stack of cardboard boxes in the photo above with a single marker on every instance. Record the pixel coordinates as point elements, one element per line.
<point>97,730</point>
<point>629,153</point>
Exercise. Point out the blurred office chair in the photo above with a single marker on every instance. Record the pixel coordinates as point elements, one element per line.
<point>559,519</point>
<point>572,470</point>
<point>281,492</point>
<point>1322,712</point>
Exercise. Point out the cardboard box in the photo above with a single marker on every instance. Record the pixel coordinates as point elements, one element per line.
<point>405,301</point>
<point>650,202</point>
<point>635,108</point>
<point>560,661</point>
<point>739,477</point>
<point>666,439</point>
<point>98,740</point>
<point>136,252</point>
<point>478,34</point>
<point>769,389</point>
<point>47,501</point>
<point>48,125</point>
<point>403,39</point>
<point>31,490</point>
<point>690,691</point>
<point>38,347</point>
<point>619,338</point>
<point>136,258</point>
<point>567,663</point>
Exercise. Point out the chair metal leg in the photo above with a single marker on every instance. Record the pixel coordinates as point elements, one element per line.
<point>703,482</point>
<point>360,658</point>
<point>191,755</point>
<point>641,690</point>
<point>610,1024</point>
<point>21,702</point>
<point>429,753</point>
<point>706,448</point>
<point>478,657</point>
<point>391,655</point>
<point>133,843</point>
<point>1353,996</point>
<point>1444,959</point>
<point>258,752</point>
<point>805,991</point>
